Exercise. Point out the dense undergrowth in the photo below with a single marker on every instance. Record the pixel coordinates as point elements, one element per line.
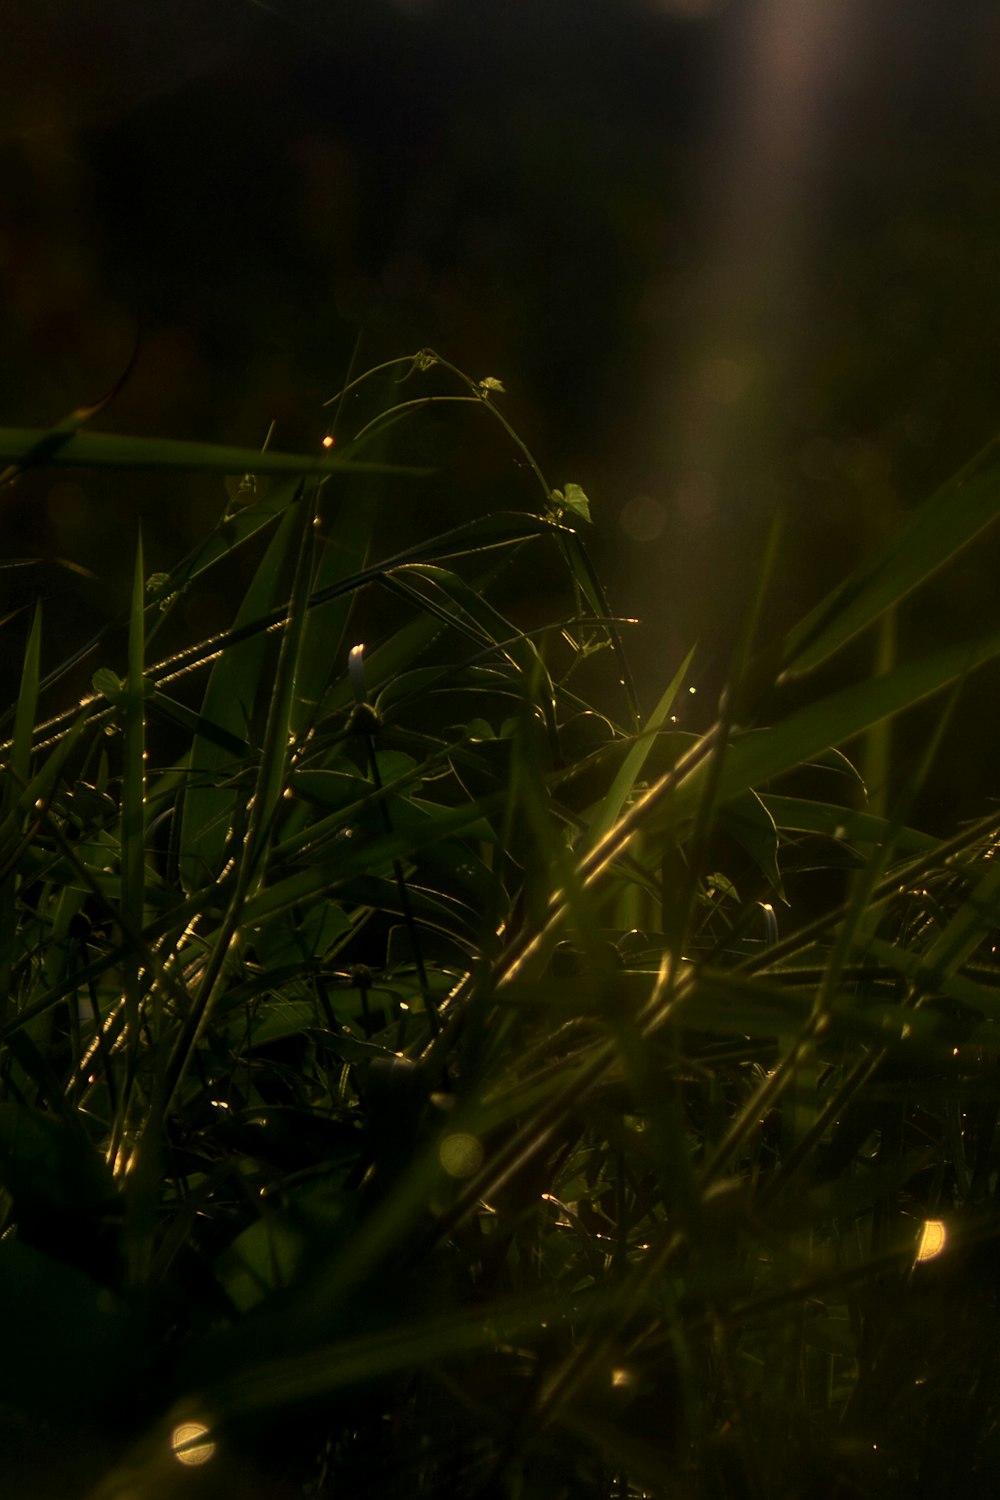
<point>416,1081</point>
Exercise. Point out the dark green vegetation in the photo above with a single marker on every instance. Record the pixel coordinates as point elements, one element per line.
<point>422,1083</point>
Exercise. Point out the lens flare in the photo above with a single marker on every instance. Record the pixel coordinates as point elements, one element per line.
<point>933,1239</point>
<point>461,1155</point>
<point>188,1444</point>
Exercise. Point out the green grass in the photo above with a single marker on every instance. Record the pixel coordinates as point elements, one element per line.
<point>427,1082</point>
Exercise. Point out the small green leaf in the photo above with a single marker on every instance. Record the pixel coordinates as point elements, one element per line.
<point>109,685</point>
<point>572,499</point>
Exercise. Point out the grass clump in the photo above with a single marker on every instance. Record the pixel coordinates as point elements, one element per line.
<point>417,1080</point>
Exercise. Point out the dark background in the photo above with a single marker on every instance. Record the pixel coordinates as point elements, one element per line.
<point>726,258</point>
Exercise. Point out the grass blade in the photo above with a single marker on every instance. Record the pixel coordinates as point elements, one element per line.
<point>953,517</point>
<point>89,450</point>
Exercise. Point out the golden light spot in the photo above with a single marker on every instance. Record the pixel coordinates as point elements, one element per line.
<point>328,441</point>
<point>622,1378</point>
<point>461,1155</point>
<point>933,1239</point>
<point>186,1442</point>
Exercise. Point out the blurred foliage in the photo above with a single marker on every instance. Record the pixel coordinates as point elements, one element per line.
<point>419,1080</point>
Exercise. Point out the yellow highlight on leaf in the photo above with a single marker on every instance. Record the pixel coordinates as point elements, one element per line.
<point>933,1239</point>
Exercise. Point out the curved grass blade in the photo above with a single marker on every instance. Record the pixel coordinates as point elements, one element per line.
<point>845,824</point>
<point>49,443</point>
<point>481,535</point>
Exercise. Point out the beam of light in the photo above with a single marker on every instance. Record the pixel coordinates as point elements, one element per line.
<point>719,401</point>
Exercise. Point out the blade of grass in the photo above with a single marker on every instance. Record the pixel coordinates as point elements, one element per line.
<point>231,693</point>
<point>133,823</point>
<point>270,782</point>
<point>15,780</point>
<point>475,536</point>
<point>88,450</point>
<point>622,788</point>
<point>755,757</point>
<point>950,520</point>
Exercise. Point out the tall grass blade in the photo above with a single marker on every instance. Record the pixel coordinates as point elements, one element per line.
<point>216,783</point>
<point>88,450</point>
<point>953,517</point>
<point>11,826</point>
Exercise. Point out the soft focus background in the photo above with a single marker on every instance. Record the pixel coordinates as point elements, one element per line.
<point>728,259</point>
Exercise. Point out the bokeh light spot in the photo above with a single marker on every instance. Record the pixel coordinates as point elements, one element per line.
<point>68,506</point>
<point>933,1239</point>
<point>461,1154</point>
<point>189,1443</point>
<point>724,380</point>
<point>643,518</point>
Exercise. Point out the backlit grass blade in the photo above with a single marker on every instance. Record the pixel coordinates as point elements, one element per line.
<point>235,527</point>
<point>133,801</point>
<point>406,1345</point>
<point>977,915</point>
<point>256,810</point>
<point>845,824</point>
<point>346,860</point>
<point>344,546</point>
<point>952,518</point>
<point>482,535</point>
<point>610,807</point>
<point>90,450</point>
<point>272,772</point>
<point>27,709</point>
<point>755,757</point>
<point>15,781</point>
<point>134,775</point>
<point>54,438</point>
<point>216,781</point>
<point>463,606</point>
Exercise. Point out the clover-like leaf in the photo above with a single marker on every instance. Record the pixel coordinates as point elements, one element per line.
<point>109,685</point>
<point>573,500</point>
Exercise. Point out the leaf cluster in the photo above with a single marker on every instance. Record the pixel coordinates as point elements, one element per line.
<point>417,1079</point>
